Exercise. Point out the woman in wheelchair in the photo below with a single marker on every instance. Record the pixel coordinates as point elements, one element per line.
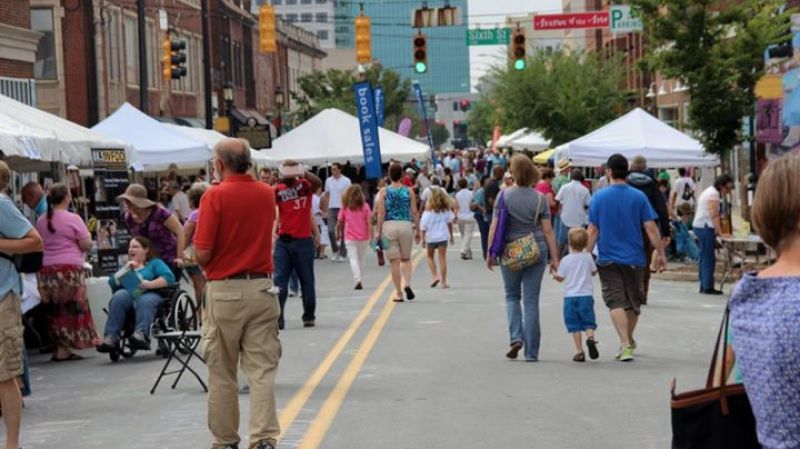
<point>135,291</point>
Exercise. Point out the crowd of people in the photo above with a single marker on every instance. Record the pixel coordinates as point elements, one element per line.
<point>245,261</point>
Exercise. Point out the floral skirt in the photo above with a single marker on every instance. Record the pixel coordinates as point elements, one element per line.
<point>71,323</point>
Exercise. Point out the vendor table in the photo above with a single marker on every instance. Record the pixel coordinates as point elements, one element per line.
<point>740,246</point>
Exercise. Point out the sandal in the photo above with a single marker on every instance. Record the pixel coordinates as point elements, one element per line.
<point>398,299</point>
<point>579,357</point>
<point>68,358</point>
<point>434,283</point>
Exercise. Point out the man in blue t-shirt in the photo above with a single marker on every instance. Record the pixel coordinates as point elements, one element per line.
<point>616,216</point>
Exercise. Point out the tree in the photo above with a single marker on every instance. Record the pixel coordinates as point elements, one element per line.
<point>564,96</point>
<point>440,134</point>
<point>334,89</point>
<point>716,49</point>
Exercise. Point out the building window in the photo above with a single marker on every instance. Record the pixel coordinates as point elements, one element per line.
<point>322,35</point>
<point>237,64</point>
<point>277,2</point>
<point>322,17</point>
<point>291,2</point>
<point>306,17</point>
<point>305,2</point>
<point>291,18</point>
<point>455,106</point>
<point>153,60</point>
<point>131,51</point>
<point>322,2</point>
<point>45,66</point>
<point>112,45</point>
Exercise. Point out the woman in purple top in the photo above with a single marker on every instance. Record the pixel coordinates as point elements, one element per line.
<point>144,218</point>
<point>195,194</point>
<point>61,280</point>
<point>765,310</point>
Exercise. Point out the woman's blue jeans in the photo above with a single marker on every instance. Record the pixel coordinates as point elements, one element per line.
<point>708,259</point>
<point>523,319</point>
<point>483,228</point>
<point>122,304</point>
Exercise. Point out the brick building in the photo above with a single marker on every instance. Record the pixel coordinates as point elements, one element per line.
<point>18,55</point>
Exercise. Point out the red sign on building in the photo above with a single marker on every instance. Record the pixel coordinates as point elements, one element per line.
<point>571,21</point>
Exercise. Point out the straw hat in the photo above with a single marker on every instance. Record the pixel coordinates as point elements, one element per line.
<point>136,194</point>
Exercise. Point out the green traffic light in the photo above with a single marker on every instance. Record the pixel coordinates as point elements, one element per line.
<point>519,64</point>
<point>420,67</point>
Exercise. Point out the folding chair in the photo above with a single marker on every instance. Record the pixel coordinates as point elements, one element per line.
<point>180,342</point>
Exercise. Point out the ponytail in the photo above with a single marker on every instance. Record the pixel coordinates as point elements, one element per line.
<point>58,192</point>
<point>50,215</point>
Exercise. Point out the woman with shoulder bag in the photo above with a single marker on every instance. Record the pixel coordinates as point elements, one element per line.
<point>521,236</point>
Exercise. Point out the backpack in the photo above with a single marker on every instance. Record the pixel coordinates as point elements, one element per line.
<point>26,263</point>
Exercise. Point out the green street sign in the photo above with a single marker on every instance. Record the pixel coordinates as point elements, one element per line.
<point>491,36</point>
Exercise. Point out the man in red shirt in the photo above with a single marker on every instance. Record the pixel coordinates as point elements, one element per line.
<point>233,244</point>
<point>297,238</point>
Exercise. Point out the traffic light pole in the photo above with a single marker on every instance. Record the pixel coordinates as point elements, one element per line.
<point>143,103</point>
<point>206,63</point>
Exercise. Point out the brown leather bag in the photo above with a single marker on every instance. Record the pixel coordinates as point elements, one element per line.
<point>716,417</point>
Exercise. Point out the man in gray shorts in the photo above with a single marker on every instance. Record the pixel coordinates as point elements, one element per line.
<point>616,216</point>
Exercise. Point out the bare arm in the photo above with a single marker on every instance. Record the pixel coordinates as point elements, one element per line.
<point>314,227</point>
<point>655,239</point>
<point>85,244</point>
<point>713,207</point>
<point>30,243</point>
<point>188,230</point>
<point>314,180</point>
<point>175,228</point>
<point>415,213</point>
<point>380,211</point>
<point>549,236</point>
<point>490,262</point>
<point>593,234</point>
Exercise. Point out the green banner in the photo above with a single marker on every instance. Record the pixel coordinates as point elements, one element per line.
<point>492,36</point>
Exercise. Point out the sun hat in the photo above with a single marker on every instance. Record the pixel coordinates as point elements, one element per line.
<point>136,194</point>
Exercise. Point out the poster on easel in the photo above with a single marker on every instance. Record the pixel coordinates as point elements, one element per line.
<point>110,234</point>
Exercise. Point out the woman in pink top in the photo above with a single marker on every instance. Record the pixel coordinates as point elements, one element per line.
<point>545,187</point>
<point>61,279</point>
<point>354,226</point>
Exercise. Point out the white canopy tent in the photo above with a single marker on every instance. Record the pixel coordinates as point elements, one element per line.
<point>506,139</point>
<point>334,136</point>
<point>30,137</point>
<point>210,137</point>
<point>155,145</point>
<point>637,133</point>
<point>532,141</point>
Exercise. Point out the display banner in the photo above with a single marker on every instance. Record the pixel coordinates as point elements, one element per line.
<point>380,105</point>
<point>571,21</point>
<point>110,234</point>
<point>423,115</point>
<point>368,124</point>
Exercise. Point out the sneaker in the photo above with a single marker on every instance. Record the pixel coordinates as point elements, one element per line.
<point>579,357</point>
<point>335,257</point>
<point>308,323</point>
<point>592,346</point>
<point>633,345</point>
<point>292,293</point>
<point>625,355</point>
<point>109,344</point>
<point>712,291</point>
<point>513,350</point>
<point>139,341</point>
<point>359,286</point>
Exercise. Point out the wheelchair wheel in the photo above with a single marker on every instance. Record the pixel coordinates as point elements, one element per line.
<point>184,313</point>
<point>128,352</point>
<point>114,356</point>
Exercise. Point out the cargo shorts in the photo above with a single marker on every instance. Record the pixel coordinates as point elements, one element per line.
<point>10,337</point>
<point>622,286</point>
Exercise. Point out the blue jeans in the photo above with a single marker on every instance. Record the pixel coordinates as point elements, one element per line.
<point>296,255</point>
<point>294,283</point>
<point>26,374</point>
<point>483,228</point>
<point>122,304</point>
<point>708,259</point>
<point>523,320</point>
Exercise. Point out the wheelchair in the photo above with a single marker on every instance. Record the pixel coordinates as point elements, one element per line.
<point>177,312</point>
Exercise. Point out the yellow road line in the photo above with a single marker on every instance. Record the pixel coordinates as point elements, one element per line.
<point>298,401</point>
<point>330,408</point>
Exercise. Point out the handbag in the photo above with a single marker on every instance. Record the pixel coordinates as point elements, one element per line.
<point>524,251</point>
<point>499,239</point>
<point>714,417</point>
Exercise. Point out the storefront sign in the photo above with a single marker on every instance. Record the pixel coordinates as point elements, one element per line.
<point>624,19</point>
<point>571,21</point>
<point>491,36</point>
<point>110,234</point>
<point>368,121</point>
<point>258,135</point>
<point>768,121</point>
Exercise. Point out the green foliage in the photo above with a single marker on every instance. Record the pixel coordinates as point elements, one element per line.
<point>440,134</point>
<point>718,53</point>
<point>334,89</point>
<point>564,96</point>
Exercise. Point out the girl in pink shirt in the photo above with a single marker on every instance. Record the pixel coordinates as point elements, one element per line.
<point>354,225</point>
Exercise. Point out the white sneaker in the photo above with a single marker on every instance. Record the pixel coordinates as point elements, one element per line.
<point>335,258</point>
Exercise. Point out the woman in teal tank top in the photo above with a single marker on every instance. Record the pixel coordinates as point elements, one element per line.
<point>397,218</point>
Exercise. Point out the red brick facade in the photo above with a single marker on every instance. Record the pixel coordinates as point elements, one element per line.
<point>16,13</point>
<point>16,69</point>
<point>79,65</point>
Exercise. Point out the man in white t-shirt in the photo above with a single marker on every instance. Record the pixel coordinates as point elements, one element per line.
<point>683,191</point>
<point>574,199</point>
<point>180,202</point>
<point>436,183</point>
<point>465,218</point>
<point>707,227</point>
<point>335,186</point>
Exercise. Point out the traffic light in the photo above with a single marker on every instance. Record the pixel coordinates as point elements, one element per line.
<point>518,49</point>
<point>363,40</point>
<point>266,29</point>
<point>171,68</point>
<point>420,53</point>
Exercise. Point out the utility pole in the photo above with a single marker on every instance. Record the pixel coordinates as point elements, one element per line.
<point>143,93</point>
<point>206,63</point>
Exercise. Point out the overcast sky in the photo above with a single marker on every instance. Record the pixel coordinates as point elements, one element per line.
<point>493,13</point>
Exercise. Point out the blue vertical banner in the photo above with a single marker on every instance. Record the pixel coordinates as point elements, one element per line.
<point>368,124</point>
<point>423,115</point>
<point>380,105</point>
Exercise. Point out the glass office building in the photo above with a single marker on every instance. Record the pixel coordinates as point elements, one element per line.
<point>392,36</point>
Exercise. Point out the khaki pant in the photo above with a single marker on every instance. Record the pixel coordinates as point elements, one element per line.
<point>240,324</point>
<point>10,337</point>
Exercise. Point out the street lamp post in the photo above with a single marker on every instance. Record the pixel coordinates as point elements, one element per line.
<point>279,100</point>
<point>227,94</point>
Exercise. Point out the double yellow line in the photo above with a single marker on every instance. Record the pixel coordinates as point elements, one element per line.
<point>327,413</point>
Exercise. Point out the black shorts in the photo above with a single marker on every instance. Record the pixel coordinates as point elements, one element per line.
<point>434,245</point>
<point>621,286</point>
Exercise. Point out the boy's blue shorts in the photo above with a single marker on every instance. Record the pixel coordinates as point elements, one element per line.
<point>579,313</point>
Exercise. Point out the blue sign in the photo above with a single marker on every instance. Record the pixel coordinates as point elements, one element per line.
<point>380,105</point>
<point>368,123</point>
<point>423,115</point>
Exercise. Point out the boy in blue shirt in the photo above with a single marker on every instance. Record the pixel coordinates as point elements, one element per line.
<point>616,217</point>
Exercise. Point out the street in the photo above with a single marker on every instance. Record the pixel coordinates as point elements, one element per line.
<point>424,374</point>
